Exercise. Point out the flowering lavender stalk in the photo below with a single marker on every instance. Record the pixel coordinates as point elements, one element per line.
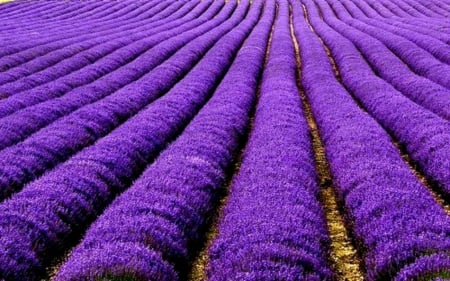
<point>394,217</point>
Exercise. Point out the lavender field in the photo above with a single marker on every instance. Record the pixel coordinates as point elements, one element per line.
<point>252,140</point>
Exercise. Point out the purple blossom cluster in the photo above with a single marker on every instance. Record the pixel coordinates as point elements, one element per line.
<point>132,130</point>
<point>273,226</point>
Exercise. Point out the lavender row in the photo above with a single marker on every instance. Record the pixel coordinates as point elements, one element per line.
<point>25,10</point>
<point>55,143</point>
<point>51,7</point>
<point>406,10</point>
<point>401,23</point>
<point>416,9</point>
<point>58,27</point>
<point>13,7</point>
<point>419,10</point>
<point>394,218</point>
<point>416,58</point>
<point>431,25</point>
<point>429,22</point>
<point>424,92</point>
<point>139,66</point>
<point>437,48</point>
<point>425,136</point>
<point>433,46</point>
<point>37,20</point>
<point>161,217</point>
<point>56,64</point>
<point>273,226</point>
<point>42,220</point>
<point>20,54</point>
<point>16,127</point>
<point>60,36</point>
<point>427,9</point>
<point>69,13</point>
<point>401,9</point>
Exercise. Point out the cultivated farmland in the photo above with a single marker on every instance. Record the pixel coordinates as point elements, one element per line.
<point>225,140</point>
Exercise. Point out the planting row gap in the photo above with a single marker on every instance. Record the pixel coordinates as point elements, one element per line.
<point>344,256</point>
<point>200,263</point>
<point>434,188</point>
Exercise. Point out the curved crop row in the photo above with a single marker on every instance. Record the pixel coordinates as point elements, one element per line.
<point>21,124</point>
<point>161,216</point>
<point>16,54</point>
<point>82,67</point>
<point>39,9</point>
<point>435,47</point>
<point>421,90</point>
<point>428,43</point>
<point>159,47</point>
<point>68,198</point>
<point>121,123</point>
<point>68,17</point>
<point>425,136</point>
<point>415,57</point>
<point>273,227</point>
<point>401,23</point>
<point>25,50</point>
<point>58,63</point>
<point>37,19</point>
<point>79,129</point>
<point>428,22</point>
<point>394,218</point>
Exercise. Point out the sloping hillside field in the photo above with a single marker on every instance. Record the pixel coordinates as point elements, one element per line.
<point>213,140</point>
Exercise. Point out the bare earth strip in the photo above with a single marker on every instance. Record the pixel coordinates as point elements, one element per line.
<point>343,257</point>
<point>433,188</point>
<point>200,264</point>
